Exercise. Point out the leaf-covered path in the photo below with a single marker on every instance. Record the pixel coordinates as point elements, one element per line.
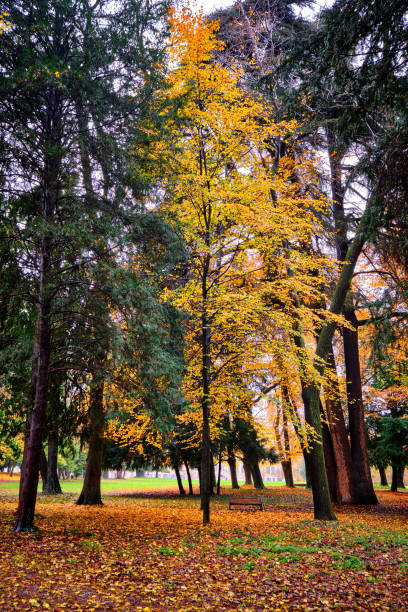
<point>150,552</point>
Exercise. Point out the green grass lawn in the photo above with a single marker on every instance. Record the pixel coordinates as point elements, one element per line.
<point>119,484</point>
<point>126,484</point>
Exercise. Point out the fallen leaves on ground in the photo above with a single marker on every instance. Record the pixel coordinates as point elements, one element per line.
<point>150,552</point>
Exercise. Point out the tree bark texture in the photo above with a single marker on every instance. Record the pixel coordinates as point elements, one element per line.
<point>53,486</point>
<point>50,191</point>
<point>190,483</point>
<point>219,473</point>
<point>26,508</point>
<point>340,443</point>
<point>330,462</point>
<point>247,472</point>
<point>323,509</point>
<point>311,393</point>
<point>205,403</point>
<point>287,462</point>
<point>213,479</point>
<point>256,475</point>
<point>178,476</point>
<point>394,478</point>
<point>43,470</point>
<point>361,473</point>
<point>400,477</point>
<point>233,468</point>
<point>383,477</point>
<point>91,490</point>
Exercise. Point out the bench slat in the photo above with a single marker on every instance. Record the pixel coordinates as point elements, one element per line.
<point>246,501</point>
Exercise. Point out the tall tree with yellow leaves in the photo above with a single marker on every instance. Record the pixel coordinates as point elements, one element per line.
<point>244,223</point>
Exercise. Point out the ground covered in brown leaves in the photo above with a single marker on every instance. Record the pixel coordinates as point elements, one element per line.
<point>150,552</point>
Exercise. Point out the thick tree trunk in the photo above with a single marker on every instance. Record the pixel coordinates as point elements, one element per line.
<point>190,484</point>
<point>91,490</point>
<point>383,477</point>
<point>178,476</point>
<point>316,467</point>
<point>330,462</point>
<point>26,508</point>
<point>394,478</point>
<point>50,193</point>
<point>311,394</point>
<point>361,490</point>
<point>43,470</point>
<point>53,485</point>
<point>287,473</point>
<point>247,472</point>
<point>323,509</point>
<point>340,444</point>
<point>400,478</point>
<point>233,468</point>
<point>256,475</point>
<point>361,473</point>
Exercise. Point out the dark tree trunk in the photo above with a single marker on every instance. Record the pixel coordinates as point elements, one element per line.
<point>247,472</point>
<point>30,404</point>
<point>219,473</point>
<point>323,509</point>
<point>91,490</point>
<point>25,451</point>
<point>330,462</point>
<point>206,467</point>
<point>190,484</point>
<point>361,490</point>
<point>288,473</point>
<point>43,470</point>
<point>383,477</point>
<point>256,475</point>
<point>178,476</point>
<point>50,193</point>
<point>339,440</point>
<point>311,392</point>
<point>213,479</point>
<point>361,473</point>
<point>400,478</point>
<point>53,485</point>
<point>26,508</point>
<point>287,463</point>
<point>316,467</point>
<point>233,468</point>
<point>394,478</point>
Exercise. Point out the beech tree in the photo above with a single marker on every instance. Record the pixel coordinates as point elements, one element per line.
<point>222,169</point>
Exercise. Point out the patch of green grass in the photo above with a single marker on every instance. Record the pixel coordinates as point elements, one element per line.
<point>92,545</point>
<point>168,551</point>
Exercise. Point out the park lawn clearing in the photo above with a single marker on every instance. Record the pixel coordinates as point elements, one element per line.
<point>150,552</point>
<point>114,484</point>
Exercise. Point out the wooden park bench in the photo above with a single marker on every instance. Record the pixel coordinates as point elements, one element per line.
<point>252,501</point>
